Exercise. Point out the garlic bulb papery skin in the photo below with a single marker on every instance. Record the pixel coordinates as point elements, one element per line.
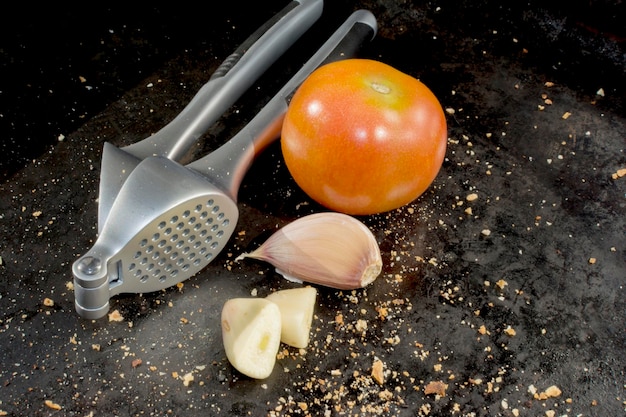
<point>331,249</point>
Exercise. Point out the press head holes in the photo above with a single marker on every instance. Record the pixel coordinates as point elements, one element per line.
<point>179,243</point>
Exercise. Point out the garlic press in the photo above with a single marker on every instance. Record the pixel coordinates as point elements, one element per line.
<point>166,221</point>
<point>229,81</point>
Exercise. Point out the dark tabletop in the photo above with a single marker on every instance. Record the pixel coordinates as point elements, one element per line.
<point>510,303</point>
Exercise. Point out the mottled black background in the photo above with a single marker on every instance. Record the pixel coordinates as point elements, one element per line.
<point>45,50</point>
<point>546,204</point>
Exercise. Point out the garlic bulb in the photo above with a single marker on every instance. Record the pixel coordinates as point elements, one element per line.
<point>331,249</point>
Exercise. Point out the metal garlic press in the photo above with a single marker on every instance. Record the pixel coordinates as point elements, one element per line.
<point>162,222</point>
<point>230,80</point>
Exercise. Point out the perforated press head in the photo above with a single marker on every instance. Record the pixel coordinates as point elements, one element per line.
<point>161,230</point>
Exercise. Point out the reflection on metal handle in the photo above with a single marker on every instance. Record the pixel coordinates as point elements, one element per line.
<point>236,74</point>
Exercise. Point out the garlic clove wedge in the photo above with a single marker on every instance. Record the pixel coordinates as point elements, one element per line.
<point>296,309</point>
<point>331,249</point>
<point>251,329</point>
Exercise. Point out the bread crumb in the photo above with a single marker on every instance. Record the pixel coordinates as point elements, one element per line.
<point>436,387</point>
<point>551,392</point>
<point>592,260</point>
<point>48,302</point>
<point>509,331</point>
<point>566,115</point>
<point>52,405</point>
<point>378,372</point>
<point>361,325</point>
<point>385,395</point>
<point>115,316</point>
<point>382,312</point>
<point>501,284</point>
<point>188,379</point>
<point>504,404</point>
<point>472,197</point>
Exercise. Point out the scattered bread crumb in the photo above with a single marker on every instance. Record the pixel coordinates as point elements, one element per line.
<point>378,372</point>
<point>509,331</point>
<point>436,387</point>
<point>52,405</point>
<point>551,392</point>
<point>619,173</point>
<point>188,379</point>
<point>501,284</point>
<point>115,316</point>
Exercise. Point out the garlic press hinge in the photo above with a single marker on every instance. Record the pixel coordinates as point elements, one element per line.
<point>91,287</point>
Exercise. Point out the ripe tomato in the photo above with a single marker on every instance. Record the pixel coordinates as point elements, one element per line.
<point>361,137</point>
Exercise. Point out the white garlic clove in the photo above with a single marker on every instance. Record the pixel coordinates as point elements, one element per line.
<point>331,249</point>
<point>296,309</point>
<point>251,329</point>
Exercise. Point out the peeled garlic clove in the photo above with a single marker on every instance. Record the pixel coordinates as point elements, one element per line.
<point>296,307</point>
<point>251,329</point>
<point>331,249</point>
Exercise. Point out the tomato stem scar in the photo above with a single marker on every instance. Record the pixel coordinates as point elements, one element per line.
<point>381,88</point>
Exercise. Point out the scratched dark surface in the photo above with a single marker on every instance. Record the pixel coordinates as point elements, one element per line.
<point>496,298</point>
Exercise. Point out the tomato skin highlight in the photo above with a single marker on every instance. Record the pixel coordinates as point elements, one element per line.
<point>361,137</point>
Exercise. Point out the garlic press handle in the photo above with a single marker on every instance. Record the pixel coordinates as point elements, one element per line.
<point>232,78</point>
<point>227,165</point>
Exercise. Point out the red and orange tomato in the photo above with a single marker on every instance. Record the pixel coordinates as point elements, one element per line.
<point>361,137</point>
